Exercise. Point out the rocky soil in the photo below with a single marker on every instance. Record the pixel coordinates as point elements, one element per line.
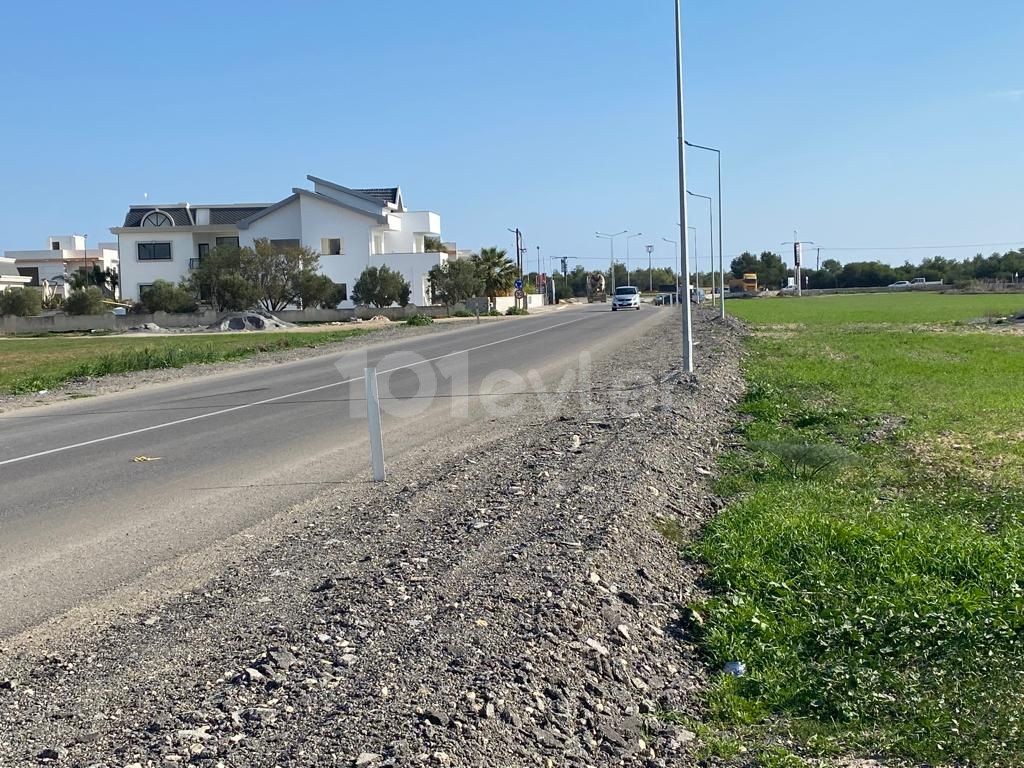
<point>512,605</point>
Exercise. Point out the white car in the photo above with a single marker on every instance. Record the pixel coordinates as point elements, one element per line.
<point>626,297</point>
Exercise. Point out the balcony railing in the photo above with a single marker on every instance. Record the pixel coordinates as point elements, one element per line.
<point>193,263</point>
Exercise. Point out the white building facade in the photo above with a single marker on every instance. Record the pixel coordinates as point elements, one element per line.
<point>351,229</point>
<point>63,256</point>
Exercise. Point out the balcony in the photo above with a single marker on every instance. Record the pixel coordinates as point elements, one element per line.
<point>193,263</point>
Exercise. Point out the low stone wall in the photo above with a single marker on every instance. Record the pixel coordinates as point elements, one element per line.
<point>61,323</point>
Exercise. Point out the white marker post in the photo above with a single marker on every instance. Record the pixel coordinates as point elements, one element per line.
<point>373,418</point>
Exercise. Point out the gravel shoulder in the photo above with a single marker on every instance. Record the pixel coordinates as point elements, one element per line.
<point>507,598</point>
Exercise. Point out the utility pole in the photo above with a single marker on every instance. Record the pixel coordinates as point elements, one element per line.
<point>519,259</point>
<point>650,269</point>
<point>611,243</point>
<point>687,319</point>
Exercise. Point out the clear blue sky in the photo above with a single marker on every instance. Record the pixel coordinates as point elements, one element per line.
<point>862,124</point>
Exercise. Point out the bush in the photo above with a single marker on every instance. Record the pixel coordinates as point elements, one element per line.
<point>462,313</point>
<point>493,313</point>
<point>88,301</point>
<point>516,311</point>
<point>419,320</point>
<point>164,296</point>
<point>21,302</point>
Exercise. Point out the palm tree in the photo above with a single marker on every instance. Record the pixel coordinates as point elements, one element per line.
<point>497,271</point>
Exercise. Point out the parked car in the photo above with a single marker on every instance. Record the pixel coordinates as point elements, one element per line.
<point>900,285</point>
<point>626,297</point>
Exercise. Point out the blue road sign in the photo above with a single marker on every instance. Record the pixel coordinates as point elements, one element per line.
<point>519,284</point>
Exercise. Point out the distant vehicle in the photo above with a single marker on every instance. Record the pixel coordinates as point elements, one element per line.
<point>920,282</point>
<point>595,287</point>
<point>745,287</point>
<point>697,295</point>
<point>626,297</point>
<point>900,285</point>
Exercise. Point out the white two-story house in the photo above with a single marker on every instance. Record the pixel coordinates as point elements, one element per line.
<point>63,256</point>
<point>351,229</point>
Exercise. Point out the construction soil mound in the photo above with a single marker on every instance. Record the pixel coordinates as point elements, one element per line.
<point>249,321</point>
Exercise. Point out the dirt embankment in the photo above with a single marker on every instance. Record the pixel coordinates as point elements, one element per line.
<point>510,606</point>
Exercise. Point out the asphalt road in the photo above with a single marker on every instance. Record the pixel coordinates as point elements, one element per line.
<point>80,518</point>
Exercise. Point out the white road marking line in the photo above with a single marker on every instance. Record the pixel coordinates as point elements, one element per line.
<point>221,412</point>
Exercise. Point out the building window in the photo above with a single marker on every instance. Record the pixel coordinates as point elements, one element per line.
<point>203,250</point>
<point>378,243</point>
<point>30,272</point>
<point>342,291</point>
<point>331,246</point>
<point>231,242</point>
<point>154,251</point>
<point>143,287</point>
<point>157,219</point>
<point>55,245</point>
<point>283,245</point>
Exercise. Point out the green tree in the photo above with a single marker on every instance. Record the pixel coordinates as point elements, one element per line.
<point>496,271</point>
<point>455,281</point>
<point>381,287</point>
<point>85,301</point>
<point>164,296</point>
<point>771,270</point>
<point>744,263</point>
<point>317,290</point>
<point>276,273</point>
<point>432,244</point>
<point>217,280</point>
<point>22,302</point>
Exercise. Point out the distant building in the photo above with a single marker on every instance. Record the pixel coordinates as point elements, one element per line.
<point>351,229</point>
<point>63,256</point>
<point>9,275</point>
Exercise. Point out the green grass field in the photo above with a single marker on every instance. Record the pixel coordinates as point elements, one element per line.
<point>30,365</point>
<point>869,569</point>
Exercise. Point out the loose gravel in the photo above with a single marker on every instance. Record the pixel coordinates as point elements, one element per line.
<point>514,604</point>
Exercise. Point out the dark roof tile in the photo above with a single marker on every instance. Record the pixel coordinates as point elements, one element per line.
<point>384,194</point>
<point>232,215</point>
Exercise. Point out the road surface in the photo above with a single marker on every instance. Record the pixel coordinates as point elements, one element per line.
<point>80,516</point>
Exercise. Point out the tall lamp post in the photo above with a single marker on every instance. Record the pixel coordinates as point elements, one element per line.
<point>650,268</point>
<point>628,238</point>
<point>711,233</point>
<point>687,318</point>
<point>611,242</point>
<point>676,244</point>
<point>721,259</point>
<point>696,260</point>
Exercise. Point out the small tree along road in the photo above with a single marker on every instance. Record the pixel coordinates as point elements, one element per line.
<point>381,287</point>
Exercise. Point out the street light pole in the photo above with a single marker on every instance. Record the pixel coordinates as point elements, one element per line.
<point>650,269</point>
<point>711,233</point>
<point>611,242</point>
<point>721,259</point>
<point>628,238</point>
<point>687,319</point>
<point>675,243</point>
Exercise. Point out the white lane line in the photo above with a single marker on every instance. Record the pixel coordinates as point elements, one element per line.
<point>233,408</point>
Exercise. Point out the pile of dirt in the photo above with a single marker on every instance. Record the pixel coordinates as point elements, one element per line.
<point>251,320</point>
<point>511,606</point>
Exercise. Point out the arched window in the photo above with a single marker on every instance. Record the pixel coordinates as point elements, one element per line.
<point>157,219</point>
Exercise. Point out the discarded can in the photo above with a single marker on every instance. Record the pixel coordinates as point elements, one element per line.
<point>735,668</point>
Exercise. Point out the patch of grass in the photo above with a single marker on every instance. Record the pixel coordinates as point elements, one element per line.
<point>880,608</point>
<point>30,365</point>
<point>901,308</point>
